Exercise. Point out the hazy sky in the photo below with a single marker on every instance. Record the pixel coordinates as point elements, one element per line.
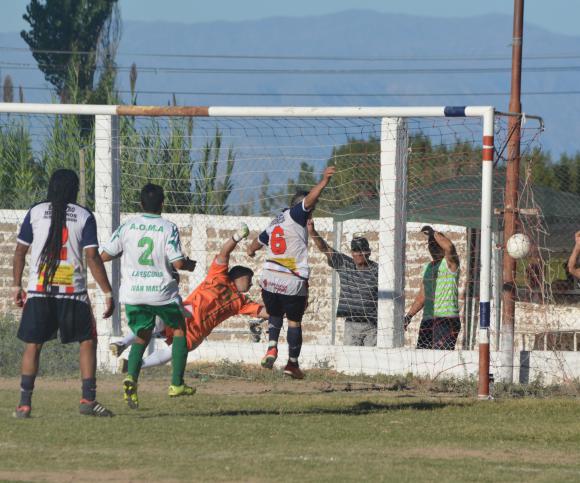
<point>560,16</point>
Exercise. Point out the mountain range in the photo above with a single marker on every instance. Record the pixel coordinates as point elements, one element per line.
<point>355,57</point>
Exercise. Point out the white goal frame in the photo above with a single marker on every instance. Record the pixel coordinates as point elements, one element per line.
<point>392,211</point>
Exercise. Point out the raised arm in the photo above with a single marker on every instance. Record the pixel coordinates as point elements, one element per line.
<point>312,197</point>
<point>449,250</point>
<point>318,240</point>
<point>223,257</point>
<point>574,257</point>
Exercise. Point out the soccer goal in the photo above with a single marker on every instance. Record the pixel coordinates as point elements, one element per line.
<point>399,169</point>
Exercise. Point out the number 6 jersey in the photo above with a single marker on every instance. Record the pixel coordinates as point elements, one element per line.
<point>286,270</point>
<point>149,244</point>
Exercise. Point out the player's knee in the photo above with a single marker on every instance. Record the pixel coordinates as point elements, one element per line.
<point>275,321</point>
<point>32,347</point>
<point>143,336</point>
<point>293,323</point>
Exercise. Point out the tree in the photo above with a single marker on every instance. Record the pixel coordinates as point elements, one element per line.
<point>69,38</point>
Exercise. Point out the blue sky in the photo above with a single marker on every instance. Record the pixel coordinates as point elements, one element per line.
<point>559,16</point>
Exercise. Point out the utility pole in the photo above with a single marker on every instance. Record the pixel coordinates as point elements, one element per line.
<point>511,216</point>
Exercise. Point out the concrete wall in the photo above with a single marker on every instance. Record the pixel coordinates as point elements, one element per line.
<point>202,236</point>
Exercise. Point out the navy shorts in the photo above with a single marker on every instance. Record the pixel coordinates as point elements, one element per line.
<point>439,333</point>
<point>292,306</point>
<point>43,317</point>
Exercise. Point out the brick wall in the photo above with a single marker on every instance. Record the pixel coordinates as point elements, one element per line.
<point>202,236</point>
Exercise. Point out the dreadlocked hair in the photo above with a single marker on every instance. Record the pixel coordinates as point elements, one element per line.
<point>63,189</point>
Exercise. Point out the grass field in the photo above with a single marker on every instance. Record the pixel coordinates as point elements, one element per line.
<point>267,428</point>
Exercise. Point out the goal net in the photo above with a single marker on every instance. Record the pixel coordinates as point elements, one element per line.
<point>397,171</point>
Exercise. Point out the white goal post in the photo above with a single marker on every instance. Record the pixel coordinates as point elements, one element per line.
<point>393,152</point>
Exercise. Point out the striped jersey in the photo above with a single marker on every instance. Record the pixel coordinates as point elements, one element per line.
<point>441,290</point>
<point>79,233</point>
<point>148,244</point>
<point>359,289</point>
<point>286,268</point>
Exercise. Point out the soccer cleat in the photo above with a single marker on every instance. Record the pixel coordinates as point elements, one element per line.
<point>122,366</point>
<point>270,357</point>
<point>117,348</point>
<point>130,393</point>
<point>22,412</point>
<point>293,370</point>
<point>183,390</point>
<point>94,408</point>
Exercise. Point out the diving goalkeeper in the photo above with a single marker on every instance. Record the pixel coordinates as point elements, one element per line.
<point>219,296</point>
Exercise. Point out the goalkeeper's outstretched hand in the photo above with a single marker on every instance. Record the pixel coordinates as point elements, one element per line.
<point>243,232</point>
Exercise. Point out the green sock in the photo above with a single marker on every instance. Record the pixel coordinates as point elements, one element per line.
<point>178,360</point>
<point>135,360</point>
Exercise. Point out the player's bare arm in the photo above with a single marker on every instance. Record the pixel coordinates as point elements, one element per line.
<point>448,247</point>
<point>107,258</point>
<point>223,257</point>
<point>417,305</point>
<point>318,240</point>
<point>572,261</point>
<point>312,197</point>
<point>18,293</point>
<point>97,268</point>
<point>253,247</point>
<point>185,263</point>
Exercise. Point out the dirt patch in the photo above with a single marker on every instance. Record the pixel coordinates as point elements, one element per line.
<point>213,386</point>
<point>73,476</point>
<point>521,455</point>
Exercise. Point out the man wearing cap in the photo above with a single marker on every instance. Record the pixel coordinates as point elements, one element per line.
<point>359,279</point>
<point>438,296</point>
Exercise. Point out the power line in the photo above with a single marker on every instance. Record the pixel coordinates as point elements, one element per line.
<point>242,71</point>
<point>327,94</point>
<point>437,58</point>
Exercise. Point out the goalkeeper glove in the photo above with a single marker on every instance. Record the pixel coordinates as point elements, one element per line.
<point>242,233</point>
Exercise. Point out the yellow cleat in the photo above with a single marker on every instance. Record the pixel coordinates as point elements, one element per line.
<point>183,390</point>
<point>130,393</point>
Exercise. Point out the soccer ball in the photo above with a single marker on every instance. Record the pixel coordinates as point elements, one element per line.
<point>518,246</point>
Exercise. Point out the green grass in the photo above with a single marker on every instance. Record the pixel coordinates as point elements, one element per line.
<point>239,428</point>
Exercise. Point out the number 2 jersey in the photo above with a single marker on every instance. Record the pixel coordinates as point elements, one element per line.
<point>149,245</point>
<point>286,270</point>
<point>79,233</point>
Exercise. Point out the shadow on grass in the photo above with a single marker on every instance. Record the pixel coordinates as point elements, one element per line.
<point>359,409</point>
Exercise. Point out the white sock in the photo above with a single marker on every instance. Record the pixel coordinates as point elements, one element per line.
<point>128,339</point>
<point>158,358</point>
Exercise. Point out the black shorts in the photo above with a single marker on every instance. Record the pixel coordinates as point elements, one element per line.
<point>42,317</point>
<point>439,333</point>
<point>292,306</point>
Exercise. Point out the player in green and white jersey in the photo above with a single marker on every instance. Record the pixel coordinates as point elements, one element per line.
<point>439,295</point>
<point>149,246</point>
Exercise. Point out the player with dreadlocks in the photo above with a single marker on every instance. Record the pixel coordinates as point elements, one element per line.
<point>57,231</point>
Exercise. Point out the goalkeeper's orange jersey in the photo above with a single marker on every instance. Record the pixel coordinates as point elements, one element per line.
<point>213,301</point>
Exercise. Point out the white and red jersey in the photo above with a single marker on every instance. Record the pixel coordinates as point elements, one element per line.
<point>80,233</point>
<point>286,269</point>
<point>148,244</point>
